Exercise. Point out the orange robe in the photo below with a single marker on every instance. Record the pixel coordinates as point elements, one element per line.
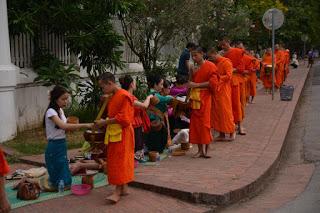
<point>287,63</point>
<point>251,65</point>
<point>222,116</point>
<point>200,119</point>
<point>235,55</point>
<point>4,167</point>
<point>120,155</point>
<point>280,65</point>
<point>266,77</point>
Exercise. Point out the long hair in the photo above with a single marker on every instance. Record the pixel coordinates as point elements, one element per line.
<point>55,94</point>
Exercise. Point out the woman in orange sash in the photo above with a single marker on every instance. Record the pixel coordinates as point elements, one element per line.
<point>119,136</point>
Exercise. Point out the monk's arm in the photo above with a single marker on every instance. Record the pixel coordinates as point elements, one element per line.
<point>229,69</point>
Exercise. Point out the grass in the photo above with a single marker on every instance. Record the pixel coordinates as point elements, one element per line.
<point>34,142</point>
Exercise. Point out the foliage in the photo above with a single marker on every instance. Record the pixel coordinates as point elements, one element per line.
<point>89,94</point>
<point>225,20</point>
<point>142,88</point>
<point>155,23</point>
<point>88,30</point>
<point>55,73</point>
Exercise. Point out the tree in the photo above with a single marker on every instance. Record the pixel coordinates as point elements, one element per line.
<point>86,25</point>
<point>226,19</point>
<point>156,23</point>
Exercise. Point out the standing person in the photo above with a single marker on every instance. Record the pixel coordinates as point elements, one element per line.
<point>310,58</point>
<point>238,96</point>
<point>119,136</point>
<point>251,64</point>
<point>157,138</point>
<point>184,60</point>
<point>266,70</point>
<point>280,65</point>
<point>287,63</point>
<point>4,169</point>
<point>140,115</point>
<point>222,117</point>
<point>56,124</point>
<point>204,81</point>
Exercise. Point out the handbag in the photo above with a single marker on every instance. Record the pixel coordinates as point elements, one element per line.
<point>28,190</point>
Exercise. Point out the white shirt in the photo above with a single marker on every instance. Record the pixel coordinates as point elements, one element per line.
<point>51,131</point>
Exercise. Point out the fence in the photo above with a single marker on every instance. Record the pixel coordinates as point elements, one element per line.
<point>22,48</point>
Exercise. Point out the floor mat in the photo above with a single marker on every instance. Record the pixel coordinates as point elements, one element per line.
<point>100,179</point>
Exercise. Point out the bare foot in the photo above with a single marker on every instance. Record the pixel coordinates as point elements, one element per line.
<point>124,190</point>
<point>206,156</point>
<point>219,138</point>
<point>242,131</point>
<point>197,155</point>
<point>232,136</point>
<point>113,199</point>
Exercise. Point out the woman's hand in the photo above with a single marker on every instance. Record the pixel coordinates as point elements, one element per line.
<point>90,125</point>
<point>99,123</point>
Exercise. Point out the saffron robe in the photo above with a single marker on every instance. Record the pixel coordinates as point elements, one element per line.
<point>235,55</point>
<point>120,155</point>
<point>4,167</point>
<point>200,119</point>
<point>265,76</point>
<point>251,66</point>
<point>222,116</point>
<point>280,65</point>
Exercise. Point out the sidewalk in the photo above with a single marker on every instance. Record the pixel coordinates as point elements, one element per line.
<point>236,170</point>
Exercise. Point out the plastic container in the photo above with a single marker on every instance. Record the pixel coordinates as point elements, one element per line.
<point>286,92</point>
<point>61,186</point>
<point>80,189</point>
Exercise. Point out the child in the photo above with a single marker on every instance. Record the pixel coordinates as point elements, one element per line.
<point>119,136</point>
<point>179,89</point>
<point>56,151</point>
<point>140,115</point>
<point>203,79</point>
<point>4,169</point>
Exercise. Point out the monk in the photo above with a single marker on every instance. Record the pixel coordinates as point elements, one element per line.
<point>287,63</point>
<point>4,169</point>
<point>251,65</point>
<point>237,85</point>
<point>204,81</point>
<point>266,71</point>
<point>222,119</point>
<point>280,65</point>
<point>119,136</point>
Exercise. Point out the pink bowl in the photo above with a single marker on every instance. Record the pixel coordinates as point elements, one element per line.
<point>80,189</point>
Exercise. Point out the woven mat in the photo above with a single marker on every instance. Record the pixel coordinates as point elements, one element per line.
<point>100,179</point>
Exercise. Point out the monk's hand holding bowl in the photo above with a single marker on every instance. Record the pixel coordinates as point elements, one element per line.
<point>191,84</point>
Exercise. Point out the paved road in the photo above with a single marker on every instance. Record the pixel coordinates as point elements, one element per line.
<point>309,200</point>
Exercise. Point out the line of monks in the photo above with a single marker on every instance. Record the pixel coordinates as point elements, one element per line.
<point>235,68</point>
